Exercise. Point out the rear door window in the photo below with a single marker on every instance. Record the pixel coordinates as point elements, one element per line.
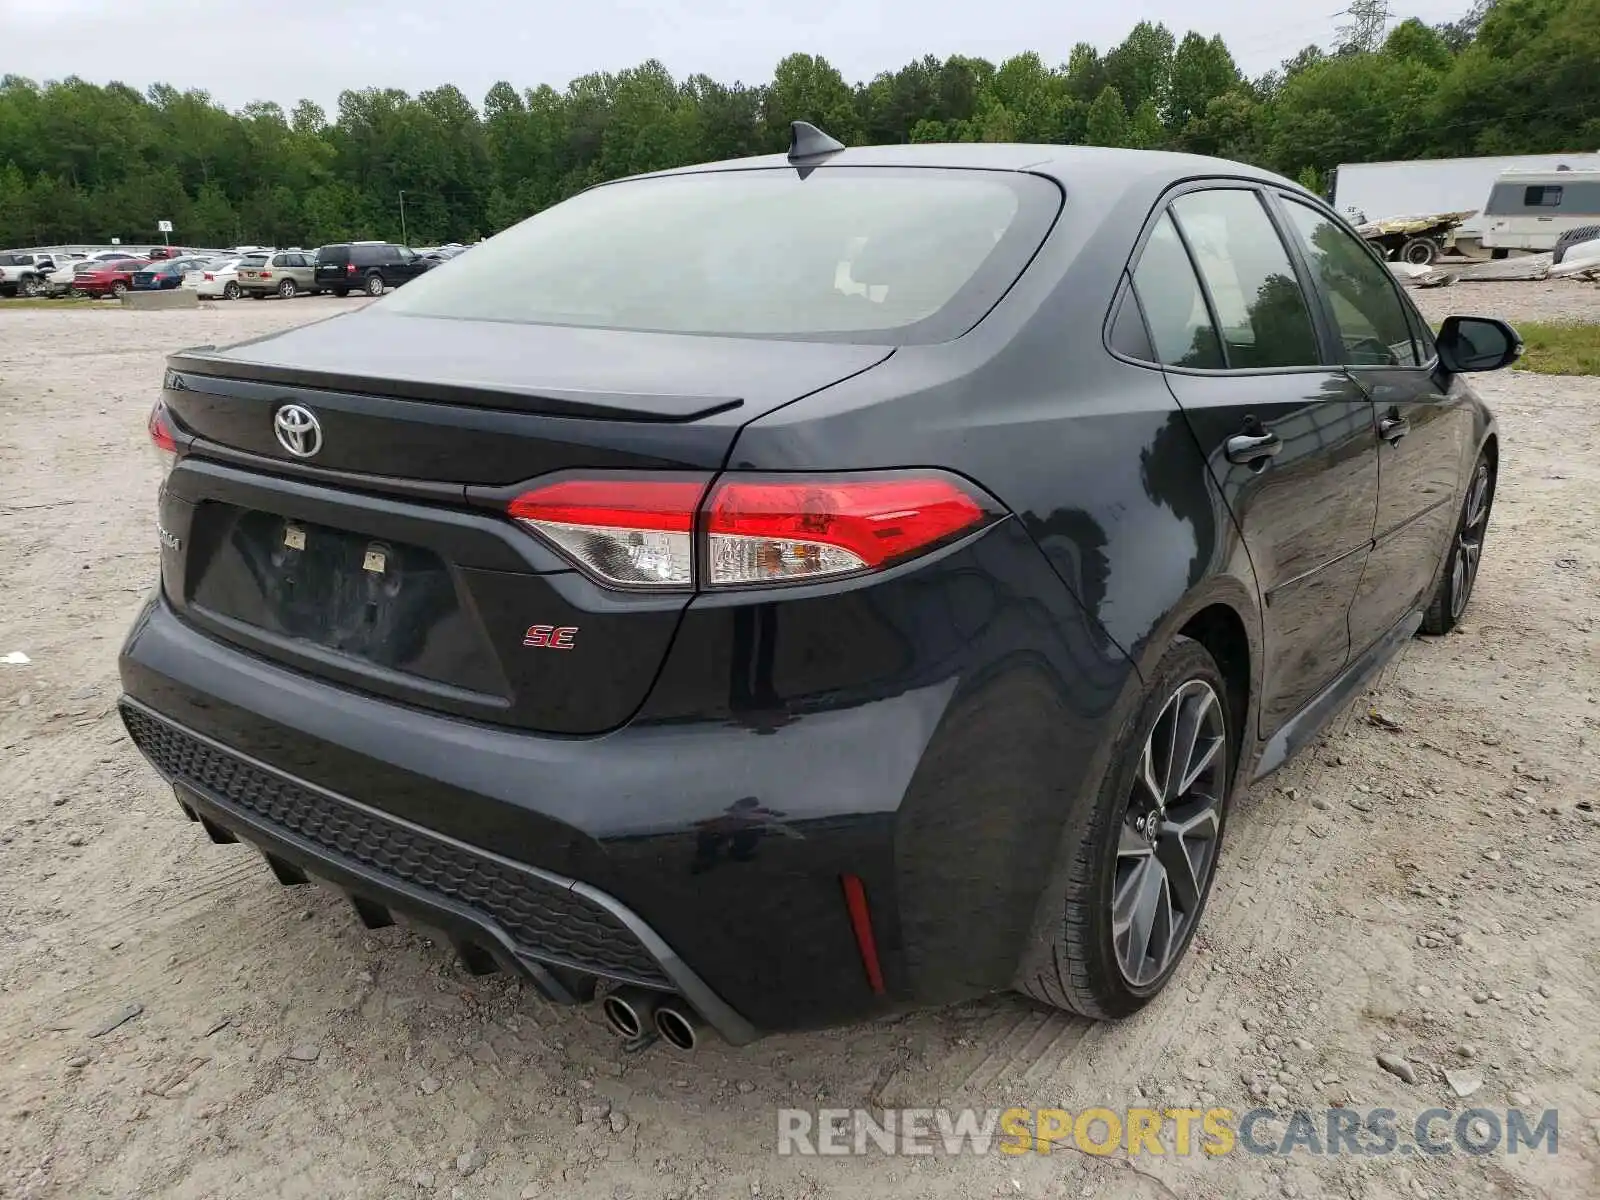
<point>1263,316</point>
<point>1174,306</point>
<point>1128,334</point>
<point>1362,296</point>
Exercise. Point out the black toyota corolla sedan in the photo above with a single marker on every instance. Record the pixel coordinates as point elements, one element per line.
<point>779,592</point>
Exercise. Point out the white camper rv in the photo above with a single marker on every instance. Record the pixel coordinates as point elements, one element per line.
<point>1530,210</point>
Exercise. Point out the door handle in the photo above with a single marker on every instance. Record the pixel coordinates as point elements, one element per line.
<point>1248,448</point>
<point>1392,428</point>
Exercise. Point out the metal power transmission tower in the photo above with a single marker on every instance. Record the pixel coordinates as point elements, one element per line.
<point>1368,21</point>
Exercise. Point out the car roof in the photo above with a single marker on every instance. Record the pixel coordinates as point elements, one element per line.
<point>1084,171</point>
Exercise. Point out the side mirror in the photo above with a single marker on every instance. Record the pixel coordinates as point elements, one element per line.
<point>1477,344</point>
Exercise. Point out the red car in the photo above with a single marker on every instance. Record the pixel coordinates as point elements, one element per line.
<point>110,279</point>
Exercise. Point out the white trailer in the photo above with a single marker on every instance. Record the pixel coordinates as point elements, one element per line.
<point>1383,191</point>
<point>1530,210</point>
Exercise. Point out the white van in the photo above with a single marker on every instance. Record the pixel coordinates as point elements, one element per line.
<point>1529,210</point>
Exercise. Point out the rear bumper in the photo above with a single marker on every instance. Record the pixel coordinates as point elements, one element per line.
<point>554,931</point>
<point>927,733</point>
<point>652,820</point>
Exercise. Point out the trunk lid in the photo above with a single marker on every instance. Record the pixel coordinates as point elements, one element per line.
<point>383,561</point>
<point>469,402</point>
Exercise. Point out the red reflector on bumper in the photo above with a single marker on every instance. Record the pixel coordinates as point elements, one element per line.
<point>855,900</point>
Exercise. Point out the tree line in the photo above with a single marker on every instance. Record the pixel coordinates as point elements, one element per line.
<point>81,161</point>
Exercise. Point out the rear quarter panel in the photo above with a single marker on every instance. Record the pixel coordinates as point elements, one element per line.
<point>1093,457</point>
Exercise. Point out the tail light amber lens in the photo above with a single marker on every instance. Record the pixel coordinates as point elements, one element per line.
<point>780,530</point>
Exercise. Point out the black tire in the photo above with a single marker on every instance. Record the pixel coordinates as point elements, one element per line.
<point>1465,556</point>
<point>374,285</point>
<point>1078,966</point>
<point>341,292</point>
<point>1420,251</point>
<point>258,295</point>
<point>287,288</point>
<point>230,290</point>
<point>119,289</point>
<point>31,286</point>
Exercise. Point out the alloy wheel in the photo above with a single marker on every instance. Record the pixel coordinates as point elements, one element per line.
<point>1469,541</point>
<point>286,289</point>
<point>1167,846</point>
<point>230,290</point>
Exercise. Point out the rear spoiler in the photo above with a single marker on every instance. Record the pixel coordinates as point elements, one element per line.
<point>201,371</point>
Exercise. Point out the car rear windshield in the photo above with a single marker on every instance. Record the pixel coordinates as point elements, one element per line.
<point>832,254</point>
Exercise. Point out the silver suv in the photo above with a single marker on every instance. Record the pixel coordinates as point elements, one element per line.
<point>287,274</point>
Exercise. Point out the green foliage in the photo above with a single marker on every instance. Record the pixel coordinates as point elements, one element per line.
<point>1107,123</point>
<point>81,162</point>
<point>1559,348</point>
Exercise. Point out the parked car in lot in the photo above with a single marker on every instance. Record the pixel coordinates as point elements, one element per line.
<point>60,281</point>
<point>218,279</point>
<point>797,589</point>
<point>112,277</point>
<point>371,267</point>
<point>63,281</point>
<point>24,274</point>
<point>165,275</point>
<point>286,274</point>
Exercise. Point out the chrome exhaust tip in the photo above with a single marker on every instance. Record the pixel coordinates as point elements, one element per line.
<point>629,1011</point>
<point>678,1025</point>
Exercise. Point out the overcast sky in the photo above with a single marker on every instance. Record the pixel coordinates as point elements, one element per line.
<point>243,50</point>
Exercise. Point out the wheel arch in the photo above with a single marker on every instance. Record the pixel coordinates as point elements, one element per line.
<point>1221,613</point>
<point>1221,630</point>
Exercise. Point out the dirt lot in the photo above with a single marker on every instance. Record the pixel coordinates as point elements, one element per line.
<point>1427,892</point>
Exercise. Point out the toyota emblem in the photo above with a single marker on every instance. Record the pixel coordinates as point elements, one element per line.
<point>299,432</point>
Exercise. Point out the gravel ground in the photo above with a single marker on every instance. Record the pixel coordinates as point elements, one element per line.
<point>1552,300</point>
<point>1423,892</point>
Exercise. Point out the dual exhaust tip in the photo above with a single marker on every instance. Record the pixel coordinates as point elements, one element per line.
<point>634,1012</point>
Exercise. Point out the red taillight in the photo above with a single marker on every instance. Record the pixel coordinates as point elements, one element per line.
<point>263,274</point>
<point>208,277</point>
<point>772,529</point>
<point>163,437</point>
<point>349,268</point>
<point>635,532</point>
<point>640,531</point>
